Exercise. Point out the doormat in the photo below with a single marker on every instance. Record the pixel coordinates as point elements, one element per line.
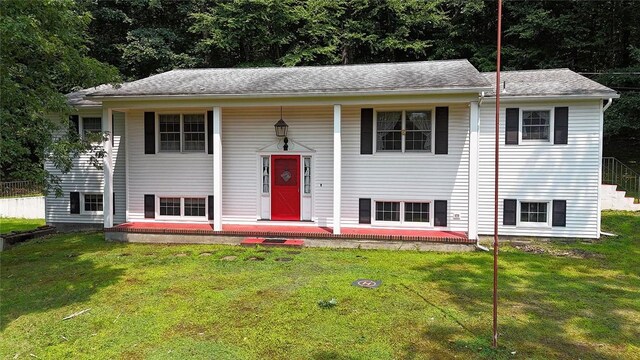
<point>275,241</point>
<point>367,283</point>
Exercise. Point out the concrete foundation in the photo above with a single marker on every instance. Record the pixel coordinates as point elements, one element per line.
<point>309,242</point>
<point>74,227</point>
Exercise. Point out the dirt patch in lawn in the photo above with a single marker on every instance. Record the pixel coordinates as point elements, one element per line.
<point>572,253</point>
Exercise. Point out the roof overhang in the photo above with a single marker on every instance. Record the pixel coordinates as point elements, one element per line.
<point>318,94</point>
<point>505,97</point>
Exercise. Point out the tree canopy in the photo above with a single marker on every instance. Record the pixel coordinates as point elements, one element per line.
<point>43,55</point>
<point>53,46</point>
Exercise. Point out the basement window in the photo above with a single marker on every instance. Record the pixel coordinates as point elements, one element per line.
<point>534,213</point>
<point>170,206</point>
<point>416,212</point>
<point>194,207</point>
<point>387,211</point>
<point>93,203</point>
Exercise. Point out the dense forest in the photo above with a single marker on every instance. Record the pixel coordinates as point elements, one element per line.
<point>53,47</point>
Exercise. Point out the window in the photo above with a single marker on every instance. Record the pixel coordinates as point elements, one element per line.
<point>265,175</point>
<point>410,213</point>
<point>194,207</point>
<point>387,211</point>
<point>169,132</point>
<point>389,131</point>
<point>418,133</point>
<point>194,133</point>
<point>416,212</point>
<point>533,212</point>
<point>307,174</point>
<point>170,206</point>
<point>182,132</point>
<point>91,125</point>
<point>93,202</point>
<point>404,131</point>
<point>536,125</point>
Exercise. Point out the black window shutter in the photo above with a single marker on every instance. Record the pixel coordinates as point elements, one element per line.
<point>149,133</point>
<point>509,212</point>
<point>74,124</point>
<point>149,206</point>
<point>442,131</point>
<point>365,211</point>
<point>366,131</point>
<point>113,204</point>
<point>440,213</point>
<point>75,202</point>
<point>559,213</point>
<point>210,132</point>
<point>512,126</point>
<point>210,206</point>
<point>561,125</point>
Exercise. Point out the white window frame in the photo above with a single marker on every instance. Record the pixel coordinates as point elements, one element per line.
<point>182,216</point>
<point>261,166</point>
<point>183,207</point>
<point>402,221</point>
<point>403,132</point>
<point>182,114</point>
<point>82,203</point>
<point>81,125</point>
<point>521,125</point>
<point>307,194</point>
<point>527,224</point>
<point>175,217</point>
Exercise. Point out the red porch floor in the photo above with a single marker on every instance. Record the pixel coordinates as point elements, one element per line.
<point>292,231</point>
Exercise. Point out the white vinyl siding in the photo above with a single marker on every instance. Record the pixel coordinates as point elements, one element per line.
<point>246,130</point>
<point>543,171</point>
<point>409,176</point>
<point>86,179</point>
<point>164,174</point>
<point>119,168</point>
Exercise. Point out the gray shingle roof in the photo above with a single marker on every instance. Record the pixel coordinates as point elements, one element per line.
<point>390,77</point>
<point>546,83</point>
<point>77,98</point>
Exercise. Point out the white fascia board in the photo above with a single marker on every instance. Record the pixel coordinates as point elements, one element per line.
<point>510,98</point>
<point>338,94</point>
<point>363,100</point>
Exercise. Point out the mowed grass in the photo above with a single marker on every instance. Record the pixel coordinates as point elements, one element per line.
<point>15,224</point>
<point>172,302</point>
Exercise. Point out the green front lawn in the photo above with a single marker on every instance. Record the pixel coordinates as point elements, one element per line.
<point>160,302</point>
<point>14,224</point>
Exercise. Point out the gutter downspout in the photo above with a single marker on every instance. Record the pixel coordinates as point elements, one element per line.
<point>600,152</point>
<point>478,246</point>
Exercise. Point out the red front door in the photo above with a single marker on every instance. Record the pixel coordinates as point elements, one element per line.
<point>285,190</point>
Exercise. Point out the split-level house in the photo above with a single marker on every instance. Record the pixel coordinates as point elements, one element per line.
<point>397,148</point>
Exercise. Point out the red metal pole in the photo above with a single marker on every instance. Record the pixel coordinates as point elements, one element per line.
<point>495,204</point>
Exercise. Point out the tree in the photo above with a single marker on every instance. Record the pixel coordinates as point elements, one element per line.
<point>44,54</point>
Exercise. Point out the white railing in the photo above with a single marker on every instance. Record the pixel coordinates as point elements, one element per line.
<point>614,172</point>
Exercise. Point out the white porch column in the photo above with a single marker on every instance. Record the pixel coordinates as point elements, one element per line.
<point>217,168</point>
<point>107,165</point>
<point>337,167</point>
<point>474,123</point>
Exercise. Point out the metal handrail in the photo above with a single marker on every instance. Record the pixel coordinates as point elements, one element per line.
<point>20,188</point>
<point>615,172</point>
